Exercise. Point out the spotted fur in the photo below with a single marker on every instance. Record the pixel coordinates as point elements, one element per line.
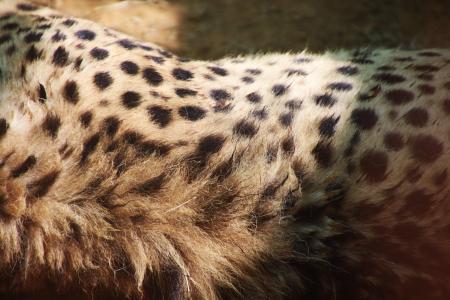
<point>127,171</point>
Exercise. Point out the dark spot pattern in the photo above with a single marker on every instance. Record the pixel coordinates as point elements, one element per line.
<point>27,7</point>
<point>393,141</point>
<point>33,37</point>
<point>426,68</point>
<point>326,100</point>
<point>69,22</point>
<point>131,99</point>
<point>41,187</point>
<point>51,125</point>
<point>446,106</point>
<point>288,146</point>
<point>286,119</point>
<point>399,97</point>
<point>260,114</point>
<point>33,54</point>
<point>24,167</point>
<point>191,112</point>
<point>127,44</point>
<point>42,93</point>
<point>160,115</point>
<point>340,86</point>
<point>279,90</point>
<point>129,67</point>
<point>4,38</point>
<point>151,186</point>
<point>426,89</point>
<point>416,117</point>
<point>86,118</point>
<point>364,118</point>
<point>103,80</point>
<point>220,94</point>
<point>425,148</point>
<point>323,154</point>
<point>99,53</point>
<point>60,57</point>
<point>152,77</point>
<point>327,126</point>
<point>89,146</point>
<point>210,144</point>
<point>4,126</point>
<point>254,97</point>
<point>293,105</point>
<point>111,125</point>
<point>70,92</point>
<point>374,165</point>
<point>219,71</point>
<point>245,129</point>
<point>389,78</point>
<point>58,36</point>
<point>182,74</point>
<point>85,34</point>
<point>184,92</point>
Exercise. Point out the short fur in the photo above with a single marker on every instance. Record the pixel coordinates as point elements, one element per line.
<point>126,171</point>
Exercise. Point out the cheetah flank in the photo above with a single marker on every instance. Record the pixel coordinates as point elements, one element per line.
<point>129,172</point>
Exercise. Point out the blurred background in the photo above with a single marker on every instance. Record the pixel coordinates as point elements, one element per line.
<point>210,29</point>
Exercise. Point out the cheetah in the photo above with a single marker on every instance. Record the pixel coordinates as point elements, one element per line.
<point>127,172</point>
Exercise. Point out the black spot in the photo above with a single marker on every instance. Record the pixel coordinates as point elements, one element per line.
<point>99,53</point>
<point>24,167</point>
<point>127,44</point>
<point>157,59</point>
<point>446,106</point>
<point>354,141</point>
<point>429,54</point>
<point>325,100</point>
<point>303,60</point>
<point>10,50</point>
<point>386,68</point>
<point>33,54</point>
<point>426,89</point>
<point>131,99</point>
<point>323,154</point>
<point>293,105</point>
<point>151,186</point>
<point>340,86</point>
<point>129,67</point>
<point>182,74</point>
<point>111,125</point>
<point>132,137</point>
<point>417,117</point>
<point>286,119</point>
<point>389,78</point>
<point>399,97</point>
<point>160,115</point>
<point>192,113</point>
<point>210,144</point>
<point>102,80</point>
<point>4,38</point>
<point>288,146</point>
<point>10,26</point>
<point>145,47</point>
<point>260,114</point>
<point>219,71</point>
<point>404,59</point>
<point>60,57</point>
<point>152,76</point>
<point>42,94</point>
<point>245,129</point>
<point>296,72</point>
<point>220,94</point>
<point>41,187</point>
<point>33,37</point>
<point>426,68</point>
<point>77,63</point>
<point>86,118</point>
<point>85,35</point>
<point>279,90</point>
<point>89,147</point>
<point>70,92</point>
<point>372,93</point>
<point>247,79</point>
<point>183,92</point>
<point>151,147</point>
<point>58,36</point>
<point>69,22</point>
<point>364,118</point>
<point>426,76</point>
<point>373,165</point>
<point>51,125</point>
<point>425,148</point>
<point>3,127</point>
<point>254,97</point>
<point>253,71</point>
<point>27,7</point>
<point>327,126</point>
<point>393,141</point>
<point>440,177</point>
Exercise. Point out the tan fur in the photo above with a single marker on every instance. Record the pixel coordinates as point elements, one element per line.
<point>218,195</point>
